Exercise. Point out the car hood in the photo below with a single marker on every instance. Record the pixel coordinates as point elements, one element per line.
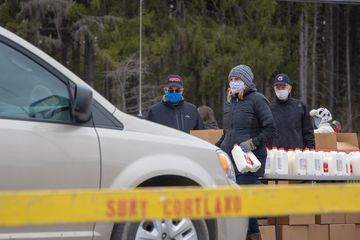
<point>135,124</point>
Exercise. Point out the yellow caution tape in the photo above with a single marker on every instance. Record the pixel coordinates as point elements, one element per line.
<point>28,208</point>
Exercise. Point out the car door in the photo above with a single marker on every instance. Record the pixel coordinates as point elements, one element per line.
<point>41,146</point>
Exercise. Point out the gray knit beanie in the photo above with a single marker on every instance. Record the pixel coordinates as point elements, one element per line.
<point>244,73</point>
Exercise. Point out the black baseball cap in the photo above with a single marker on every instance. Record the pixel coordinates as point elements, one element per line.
<point>282,79</point>
<point>174,80</point>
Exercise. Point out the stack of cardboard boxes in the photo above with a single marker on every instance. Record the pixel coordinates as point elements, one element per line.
<point>337,226</point>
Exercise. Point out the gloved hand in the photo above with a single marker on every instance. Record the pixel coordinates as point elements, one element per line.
<point>247,145</point>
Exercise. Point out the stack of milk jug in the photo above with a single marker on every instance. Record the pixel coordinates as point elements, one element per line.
<point>312,162</point>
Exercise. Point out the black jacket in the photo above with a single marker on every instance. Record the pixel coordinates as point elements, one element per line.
<point>294,126</point>
<point>182,116</point>
<point>248,118</point>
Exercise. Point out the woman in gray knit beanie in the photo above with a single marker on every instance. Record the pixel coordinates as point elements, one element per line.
<point>248,121</point>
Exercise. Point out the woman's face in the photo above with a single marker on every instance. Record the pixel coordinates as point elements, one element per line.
<point>234,79</point>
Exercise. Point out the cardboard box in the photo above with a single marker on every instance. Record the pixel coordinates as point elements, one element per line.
<point>342,231</point>
<point>352,218</point>
<point>294,220</point>
<point>211,135</point>
<point>263,222</point>
<point>347,141</point>
<point>357,232</point>
<point>336,141</point>
<point>330,218</point>
<point>325,141</point>
<point>267,232</point>
<point>294,232</point>
<point>318,232</point>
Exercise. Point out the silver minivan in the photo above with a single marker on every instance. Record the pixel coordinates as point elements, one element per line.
<point>56,132</point>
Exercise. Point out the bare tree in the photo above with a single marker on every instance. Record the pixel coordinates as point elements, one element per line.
<point>303,52</point>
<point>313,60</point>
<point>331,58</point>
<point>348,72</point>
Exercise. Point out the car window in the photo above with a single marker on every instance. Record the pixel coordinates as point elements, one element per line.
<point>28,91</point>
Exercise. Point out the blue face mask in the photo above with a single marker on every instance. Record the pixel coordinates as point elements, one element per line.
<point>317,122</point>
<point>173,97</point>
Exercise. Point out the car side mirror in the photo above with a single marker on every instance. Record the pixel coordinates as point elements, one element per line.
<point>82,104</point>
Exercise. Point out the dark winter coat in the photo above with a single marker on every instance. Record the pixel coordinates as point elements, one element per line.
<point>294,126</point>
<point>182,116</point>
<point>248,118</point>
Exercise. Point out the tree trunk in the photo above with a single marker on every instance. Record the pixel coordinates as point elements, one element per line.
<point>313,62</point>
<point>108,84</point>
<point>303,40</point>
<point>331,59</point>
<point>348,73</point>
<point>89,61</point>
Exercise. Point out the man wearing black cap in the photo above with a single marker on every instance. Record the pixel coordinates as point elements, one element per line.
<point>173,111</point>
<point>294,127</point>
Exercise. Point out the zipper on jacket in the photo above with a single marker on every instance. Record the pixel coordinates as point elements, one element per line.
<point>177,120</point>
<point>182,121</point>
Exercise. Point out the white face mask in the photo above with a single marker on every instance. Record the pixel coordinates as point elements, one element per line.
<point>282,94</point>
<point>236,86</point>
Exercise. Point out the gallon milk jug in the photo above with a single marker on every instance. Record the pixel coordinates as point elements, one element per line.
<point>256,164</point>
<point>299,167</point>
<point>333,163</point>
<point>325,162</point>
<point>281,163</point>
<point>242,161</point>
<point>355,162</point>
<point>341,163</point>
<point>310,163</point>
<point>318,161</point>
<point>273,153</point>
<point>268,162</point>
<point>337,162</point>
<point>348,167</point>
<point>291,160</point>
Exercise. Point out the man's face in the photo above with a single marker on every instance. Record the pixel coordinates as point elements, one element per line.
<point>173,89</point>
<point>283,87</point>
